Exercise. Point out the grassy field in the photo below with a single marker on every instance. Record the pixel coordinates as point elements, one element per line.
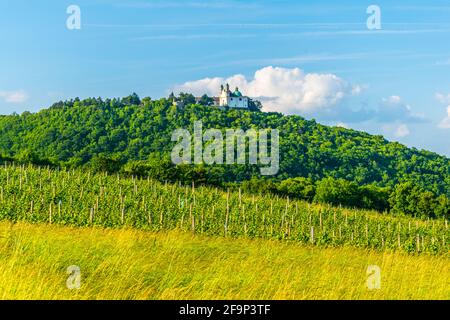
<point>135,264</point>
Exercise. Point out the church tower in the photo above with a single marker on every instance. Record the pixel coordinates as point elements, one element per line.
<point>225,94</point>
<point>232,99</point>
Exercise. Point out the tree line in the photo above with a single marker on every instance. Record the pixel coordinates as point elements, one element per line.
<point>403,199</point>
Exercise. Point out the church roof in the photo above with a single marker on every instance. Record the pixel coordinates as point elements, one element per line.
<point>237,93</point>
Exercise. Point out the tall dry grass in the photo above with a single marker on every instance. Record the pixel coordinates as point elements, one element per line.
<point>132,264</point>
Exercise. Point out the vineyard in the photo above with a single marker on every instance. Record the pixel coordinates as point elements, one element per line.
<point>81,198</point>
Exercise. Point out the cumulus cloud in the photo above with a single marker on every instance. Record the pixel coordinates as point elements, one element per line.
<point>14,96</point>
<point>342,125</point>
<point>290,91</point>
<point>395,109</point>
<point>324,96</point>
<point>445,123</point>
<point>395,130</point>
<point>444,99</point>
<point>402,131</point>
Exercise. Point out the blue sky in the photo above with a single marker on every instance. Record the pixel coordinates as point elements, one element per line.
<point>313,58</point>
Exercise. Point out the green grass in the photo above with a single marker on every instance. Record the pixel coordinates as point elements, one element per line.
<point>78,198</point>
<point>133,264</point>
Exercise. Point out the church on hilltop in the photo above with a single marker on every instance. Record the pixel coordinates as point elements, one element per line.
<point>226,99</point>
<point>232,99</point>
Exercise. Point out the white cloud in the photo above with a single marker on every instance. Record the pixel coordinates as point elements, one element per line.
<point>342,125</point>
<point>289,91</point>
<point>445,123</point>
<point>402,131</point>
<point>14,96</point>
<point>394,108</point>
<point>318,95</point>
<point>393,100</point>
<point>395,130</point>
<point>444,99</point>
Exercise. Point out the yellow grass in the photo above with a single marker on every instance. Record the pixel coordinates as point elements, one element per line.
<point>130,264</point>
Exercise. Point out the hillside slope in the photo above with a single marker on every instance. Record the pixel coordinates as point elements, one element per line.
<point>72,133</point>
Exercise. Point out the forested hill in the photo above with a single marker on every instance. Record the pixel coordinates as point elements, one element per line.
<point>122,131</point>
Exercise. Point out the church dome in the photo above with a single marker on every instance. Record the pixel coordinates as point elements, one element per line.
<point>237,93</point>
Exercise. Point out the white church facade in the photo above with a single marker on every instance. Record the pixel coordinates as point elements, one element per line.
<point>226,98</point>
<point>232,99</point>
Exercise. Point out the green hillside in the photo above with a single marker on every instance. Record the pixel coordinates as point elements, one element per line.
<point>134,136</point>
